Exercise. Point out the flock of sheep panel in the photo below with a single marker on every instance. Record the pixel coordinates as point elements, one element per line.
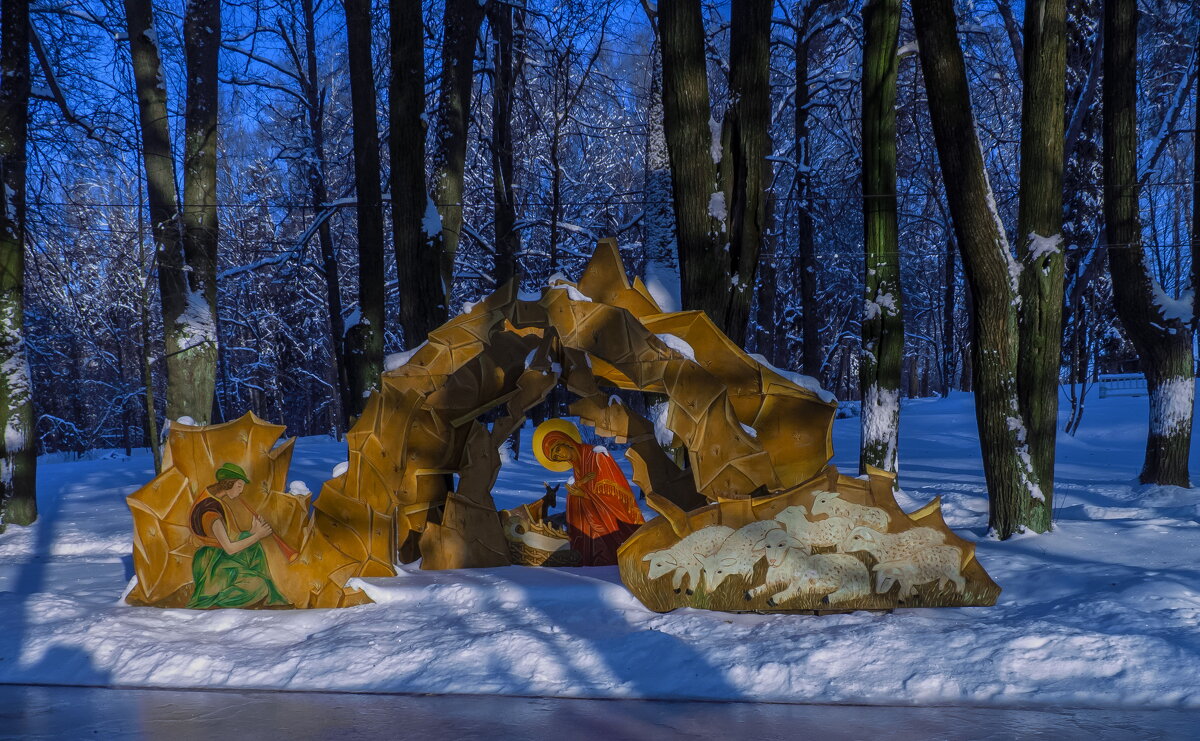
<point>832,554</point>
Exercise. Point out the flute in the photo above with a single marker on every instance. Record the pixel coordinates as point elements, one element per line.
<point>288,552</point>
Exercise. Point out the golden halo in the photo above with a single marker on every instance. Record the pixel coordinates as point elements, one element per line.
<point>545,428</point>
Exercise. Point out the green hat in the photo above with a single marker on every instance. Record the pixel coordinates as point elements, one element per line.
<point>232,471</point>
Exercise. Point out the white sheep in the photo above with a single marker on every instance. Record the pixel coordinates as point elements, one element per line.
<point>828,532</point>
<point>835,576</point>
<point>738,554</point>
<point>683,558</point>
<point>940,563</point>
<point>831,504</point>
<point>899,546</point>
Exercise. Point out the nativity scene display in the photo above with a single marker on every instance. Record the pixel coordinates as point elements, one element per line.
<point>751,514</point>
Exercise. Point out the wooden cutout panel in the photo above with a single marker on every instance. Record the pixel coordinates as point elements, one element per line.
<point>836,543</point>
<point>415,433</point>
<point>303,561</point>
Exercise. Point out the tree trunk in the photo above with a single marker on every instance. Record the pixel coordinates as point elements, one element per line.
<point>415,223</point>
<point>810,320</point>
<point>148,378</point>
<point>364,340</point>
<point>1195,242</point>
<point>507,239</point>
<point>1163,343</point>
<point>1039,240</point>
<point>989,267</point>
<point>883,320</point>
<point>948,354</point>
<point>966,381</point>
<point>556,174</point>
<point>18,448</point>
<point>315,107</point>
<point>699,203</point>
<point>186,338</point>
<point>747,173</point>
<point>202,40</point>
<point>461,27</point>
<point>766,323</point>
<point>661,251</point>
<point>1013,29</point>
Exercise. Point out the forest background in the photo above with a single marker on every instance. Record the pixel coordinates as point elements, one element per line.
<point>212,215</point>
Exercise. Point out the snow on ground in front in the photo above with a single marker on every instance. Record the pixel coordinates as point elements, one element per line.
<point>1105,611</point>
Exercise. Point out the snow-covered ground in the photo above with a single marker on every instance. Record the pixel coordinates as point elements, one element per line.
<point>1103,612</point>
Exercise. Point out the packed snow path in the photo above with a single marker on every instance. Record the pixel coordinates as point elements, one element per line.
<point>1103,612</point>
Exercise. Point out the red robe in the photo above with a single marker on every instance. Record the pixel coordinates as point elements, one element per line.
<point>597,524</point>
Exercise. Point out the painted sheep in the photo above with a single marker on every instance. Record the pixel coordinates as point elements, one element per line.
<point>838,577</point>
<point>738,554</point>
<point>901,546</point>
<point>683,558</point>
<point>940,563</point>
<point>831,504</point>
<point>828,532</point>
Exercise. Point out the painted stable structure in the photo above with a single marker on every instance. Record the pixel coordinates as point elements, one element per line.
<point>755,520</point>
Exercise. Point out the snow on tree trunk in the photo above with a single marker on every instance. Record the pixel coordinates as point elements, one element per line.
<point>364,340</point>
<point>189,326</point>
<point>416,228</point>
<point>1157,330</point>
<point>883,320</point>
<point>198,328</point>
<point>1039,241</point>
<point>991,271</point>
<point>18,452</point>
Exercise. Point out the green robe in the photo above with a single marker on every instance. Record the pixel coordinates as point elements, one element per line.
<point>238,580</point>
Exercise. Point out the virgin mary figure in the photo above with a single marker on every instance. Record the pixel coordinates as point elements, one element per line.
<point>601,510</point>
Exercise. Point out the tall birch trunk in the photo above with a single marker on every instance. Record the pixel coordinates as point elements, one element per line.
<point>18,447</point>
<point>1163,342</point>
<point>461,24</point>
<point>990,268</point>
<point>883,320</point>
<point>364,340</point>
<point>1039,244</point>
<point>415,223</point>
